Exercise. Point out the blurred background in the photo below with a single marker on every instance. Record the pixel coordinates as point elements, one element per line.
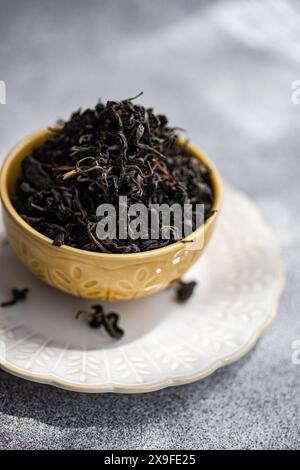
<point>223,70</point>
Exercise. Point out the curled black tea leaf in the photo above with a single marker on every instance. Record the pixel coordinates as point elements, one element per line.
<point>97,318</point>
<point>184,290</point>
<point>18,295</point>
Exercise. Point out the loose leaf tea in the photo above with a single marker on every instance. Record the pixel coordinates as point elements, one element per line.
<point>18,295</point>
<point>109,321</point>
<point>116,149</point>
<point>184,290</point>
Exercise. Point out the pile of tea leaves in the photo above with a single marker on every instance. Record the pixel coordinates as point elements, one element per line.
<point>116,149</point>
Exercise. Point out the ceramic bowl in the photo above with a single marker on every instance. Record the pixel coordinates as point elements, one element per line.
<point>98,275</point>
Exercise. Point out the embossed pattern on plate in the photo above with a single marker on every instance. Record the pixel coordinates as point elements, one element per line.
<point>240,281</point>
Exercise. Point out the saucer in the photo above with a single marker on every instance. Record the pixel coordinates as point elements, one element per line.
<point>239,278</point>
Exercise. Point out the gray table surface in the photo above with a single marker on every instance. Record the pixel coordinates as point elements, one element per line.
<point>223,70</point>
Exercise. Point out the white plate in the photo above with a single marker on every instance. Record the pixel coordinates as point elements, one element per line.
<point>240,281</point>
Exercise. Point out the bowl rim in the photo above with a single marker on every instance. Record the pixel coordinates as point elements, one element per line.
<point>43,133</point>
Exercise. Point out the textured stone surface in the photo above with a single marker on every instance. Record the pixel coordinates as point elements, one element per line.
<point>222,70</point>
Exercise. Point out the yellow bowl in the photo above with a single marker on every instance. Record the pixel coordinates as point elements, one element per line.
<point>98,275</point>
